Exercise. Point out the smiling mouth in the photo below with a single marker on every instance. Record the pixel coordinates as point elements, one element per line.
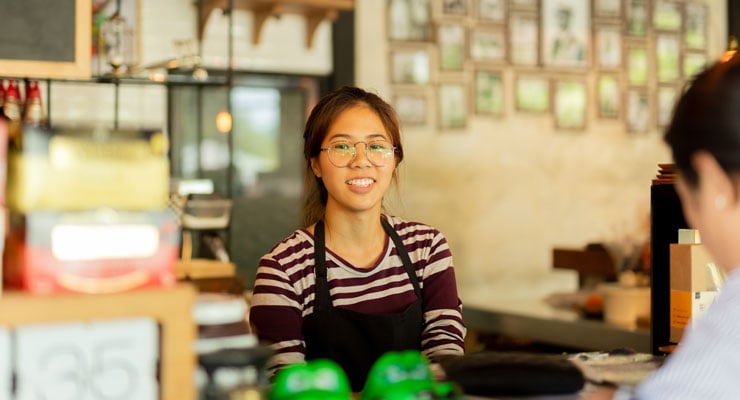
<point>363,182</point>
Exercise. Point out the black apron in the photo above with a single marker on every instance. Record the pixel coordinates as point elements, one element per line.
<point>356,340</point>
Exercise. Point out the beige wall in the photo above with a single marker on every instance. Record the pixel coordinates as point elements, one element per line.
<point>506,191</point>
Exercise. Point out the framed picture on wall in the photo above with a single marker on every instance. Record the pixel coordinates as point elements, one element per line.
<point>411,107</point>
<point>566,27</point>
<point>569,100</point>
<point>638,111</point>
<point>410,65</point>
<point>488,44</point>
<point>452,103</point>
<point>492,11</point>
<point>637,18</point>
<point>530,5</point>
<point>455,7</point>
<point>637,64</point>
<point>608,46</point>
<point>667,57</point>
<point>666,101</point>
<point>409,20</point>
<point>488,92</point>
<point>666,15</point>
<point>524,39</point>
<point>609,96</point>
<point>693,63</point>
<point>695,32</point>
<point>532,94</point>
<point>451,42</point>
<point>607,8</point>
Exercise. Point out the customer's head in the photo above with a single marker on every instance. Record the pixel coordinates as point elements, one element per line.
<point>319,123</point>
<point>704,137</point>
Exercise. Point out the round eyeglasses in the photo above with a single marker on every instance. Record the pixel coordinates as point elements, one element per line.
<point>342,152</point>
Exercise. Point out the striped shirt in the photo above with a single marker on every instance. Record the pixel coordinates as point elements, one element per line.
<point>284,290</point>
<point>706,364</point>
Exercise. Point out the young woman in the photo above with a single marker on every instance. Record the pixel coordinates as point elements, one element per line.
<point>355,282</point>
<point>705,140</point>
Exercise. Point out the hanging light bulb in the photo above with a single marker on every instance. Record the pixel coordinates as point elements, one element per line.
<point>731,49</point>
<point>223,121</point>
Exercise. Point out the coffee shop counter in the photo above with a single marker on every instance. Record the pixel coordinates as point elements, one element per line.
<point>516,308</point>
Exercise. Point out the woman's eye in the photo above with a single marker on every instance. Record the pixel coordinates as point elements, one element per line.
<point>341,146</point>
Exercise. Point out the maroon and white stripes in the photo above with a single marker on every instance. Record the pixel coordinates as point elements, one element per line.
<point>284,290</point>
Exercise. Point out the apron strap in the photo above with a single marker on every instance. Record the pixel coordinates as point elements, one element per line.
<point>321,300</point>
<point>404,254</point>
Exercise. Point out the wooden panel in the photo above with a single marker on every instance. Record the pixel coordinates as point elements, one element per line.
<point>172,308</point>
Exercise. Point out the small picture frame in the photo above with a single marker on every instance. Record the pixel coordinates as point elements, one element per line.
<point>608,46</point>
<point>527,5</point>
<point>666,97</point>
<point>695,31</point>
<point>667,57</point>
<point>666,15</point>
<point>492,11</point>
<point>488,44</point>
<point>637,18</point>
<point>569,103</point>
<point>524,40</point>
<point>693,63</point>
<point>410,65</point>
<point>566,27</point>
<point>488,92</point>
<point>452,103</point>
<point>409,20</point>
<point>608,9</point>
<point>455,7</point>
<point>532,94</point>
<point>609,96</point>
<point>638,111</point>
<point>411,107</point>
<point>637,64</point>
<point>451,41</point>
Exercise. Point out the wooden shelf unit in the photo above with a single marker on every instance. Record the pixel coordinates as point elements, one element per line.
<point>171,308</point>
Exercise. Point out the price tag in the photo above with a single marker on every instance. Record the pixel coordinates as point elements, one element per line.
<point>105,360</point>
<point>6,373</point>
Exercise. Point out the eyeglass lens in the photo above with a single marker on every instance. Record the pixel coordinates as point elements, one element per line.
<point>342,153</point>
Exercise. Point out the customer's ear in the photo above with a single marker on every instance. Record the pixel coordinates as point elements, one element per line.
<point>714,182</point>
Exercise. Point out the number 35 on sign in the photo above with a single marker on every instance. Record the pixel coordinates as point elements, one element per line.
<point>103,360</point>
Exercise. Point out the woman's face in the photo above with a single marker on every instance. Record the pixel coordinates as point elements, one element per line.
<point>361,185</point>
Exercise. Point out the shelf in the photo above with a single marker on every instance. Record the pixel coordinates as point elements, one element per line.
<point>171,308</point>
<point>315,11</point>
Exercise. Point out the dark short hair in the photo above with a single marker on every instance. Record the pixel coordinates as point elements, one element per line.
<point>707,117</point>
<point>320,120</point>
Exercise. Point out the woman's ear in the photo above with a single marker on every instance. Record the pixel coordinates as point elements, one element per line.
<point>315,167</point>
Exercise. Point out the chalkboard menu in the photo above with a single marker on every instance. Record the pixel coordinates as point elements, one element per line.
<point>45,39</point>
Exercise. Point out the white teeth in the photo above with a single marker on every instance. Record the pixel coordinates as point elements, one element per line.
<point>365,182</point>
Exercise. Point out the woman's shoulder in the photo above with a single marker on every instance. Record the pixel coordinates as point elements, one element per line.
<point>298,242</point>
<point>406,227</point>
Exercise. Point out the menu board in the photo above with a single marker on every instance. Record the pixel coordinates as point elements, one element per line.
<point>45,39</point>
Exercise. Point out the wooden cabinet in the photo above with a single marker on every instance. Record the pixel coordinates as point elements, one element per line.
<point>170,308</point>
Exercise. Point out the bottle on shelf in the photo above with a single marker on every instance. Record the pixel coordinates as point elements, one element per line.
<point>34,111</point>
<point>12,110</point>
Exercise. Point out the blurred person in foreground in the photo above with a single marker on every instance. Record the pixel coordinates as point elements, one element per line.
<point>704,137</point>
